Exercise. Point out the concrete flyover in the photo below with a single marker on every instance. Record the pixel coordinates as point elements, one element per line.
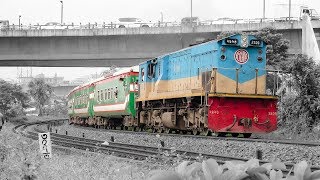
<point>120,47</point>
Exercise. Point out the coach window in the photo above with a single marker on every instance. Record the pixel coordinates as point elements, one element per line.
<point>105,94</point>
<point>102,95</point>
<point>116,93</point>
<point>98,98</point>
<point>111,93</point>
<point>108,93</point>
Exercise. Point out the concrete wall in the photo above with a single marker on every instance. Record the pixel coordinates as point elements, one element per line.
<point>91,51</point>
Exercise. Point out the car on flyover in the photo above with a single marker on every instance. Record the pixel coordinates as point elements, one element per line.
<point>53,25</point>
<point>132,22</point>
<point>4,24</point>
<point>187,21</point>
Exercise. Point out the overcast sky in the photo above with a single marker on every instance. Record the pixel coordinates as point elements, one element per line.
<point>42,11</point>
<point>84,11</point>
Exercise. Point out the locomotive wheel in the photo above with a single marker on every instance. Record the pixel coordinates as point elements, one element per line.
<point>234,134</point>
<point>168,131</point>
<point>246,135</point>
<point>177,131</point>
<point>161,130</point>
<point>184,132</point>
<point>207,132</point>
<point>134,128</point>
<point>154,130</point>
<point>195,132</point>
<point>141,129</point>
<point>126,128</point>
<point>221,134</point>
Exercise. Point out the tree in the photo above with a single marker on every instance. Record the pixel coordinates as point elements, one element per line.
<point>306,103</point>
<point>277,51</point>
<point>40,92</point>
<point>12,99</point>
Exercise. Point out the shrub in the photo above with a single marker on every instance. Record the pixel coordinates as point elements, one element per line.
<point>235,170</point>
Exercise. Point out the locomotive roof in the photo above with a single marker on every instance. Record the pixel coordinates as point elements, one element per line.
<point>240,35</point>
<point>214,40</point>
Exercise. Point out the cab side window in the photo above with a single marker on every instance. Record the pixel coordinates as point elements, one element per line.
<point>142,74</point>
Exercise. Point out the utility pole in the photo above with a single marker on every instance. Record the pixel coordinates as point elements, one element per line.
<point>191,14</point>
<point>191,10</point>
<point>264,10</point>
<point>61,12</point>
<point>289,10</point>
<point>19,22</point>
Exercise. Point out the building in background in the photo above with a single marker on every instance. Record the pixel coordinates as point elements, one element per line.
<point>59,85</point>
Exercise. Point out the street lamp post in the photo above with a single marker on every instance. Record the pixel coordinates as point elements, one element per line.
<point>61,12</point>
<point>191,14</point>
<point>191,10</point>
<point>264,9</point>
<point>289,10</point>
<point>19,22</point>
<point>161,17</point>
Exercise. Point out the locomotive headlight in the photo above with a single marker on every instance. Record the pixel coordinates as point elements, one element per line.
<point>259,58</point>
<point>223,57</point>
<point>244,41</point>
<point>260,51</point>
<point>223,49</point>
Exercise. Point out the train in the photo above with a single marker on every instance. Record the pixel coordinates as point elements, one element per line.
<point>219,86</point>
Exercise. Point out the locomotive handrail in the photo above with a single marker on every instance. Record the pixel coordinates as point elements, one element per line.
<point>234,122</point>
<point>263,123</point>
<point>275,80</point>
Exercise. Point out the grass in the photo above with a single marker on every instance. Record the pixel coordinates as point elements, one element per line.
<point>20,159</point>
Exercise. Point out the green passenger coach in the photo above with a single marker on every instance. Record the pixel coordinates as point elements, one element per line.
<point>106,102</point>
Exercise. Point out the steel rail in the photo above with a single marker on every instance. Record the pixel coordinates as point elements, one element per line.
<point>129,150</point>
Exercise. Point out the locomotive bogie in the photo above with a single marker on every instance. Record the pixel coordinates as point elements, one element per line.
<point>175,114</point>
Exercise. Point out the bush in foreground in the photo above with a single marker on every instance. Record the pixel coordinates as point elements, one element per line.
<point>235,170</point>
<point>20,159</point>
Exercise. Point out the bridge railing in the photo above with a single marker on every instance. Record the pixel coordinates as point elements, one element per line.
<point>104,25</point>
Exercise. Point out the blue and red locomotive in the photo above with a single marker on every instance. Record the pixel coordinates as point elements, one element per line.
<point>217,86</point>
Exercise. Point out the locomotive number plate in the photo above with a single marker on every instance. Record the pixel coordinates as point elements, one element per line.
<point>241,56</point>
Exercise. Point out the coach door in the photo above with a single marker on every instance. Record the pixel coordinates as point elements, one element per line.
<point>90,102</point>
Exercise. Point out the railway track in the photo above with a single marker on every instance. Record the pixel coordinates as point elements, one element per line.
<point>123,149</point>
<point>288,142</point>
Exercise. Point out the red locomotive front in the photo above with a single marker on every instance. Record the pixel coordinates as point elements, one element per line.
<point>242,115</point>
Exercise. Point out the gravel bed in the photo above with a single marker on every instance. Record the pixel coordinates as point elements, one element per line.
<point>286,153</point>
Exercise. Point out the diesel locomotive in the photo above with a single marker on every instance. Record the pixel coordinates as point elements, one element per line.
<point>217,86</point>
